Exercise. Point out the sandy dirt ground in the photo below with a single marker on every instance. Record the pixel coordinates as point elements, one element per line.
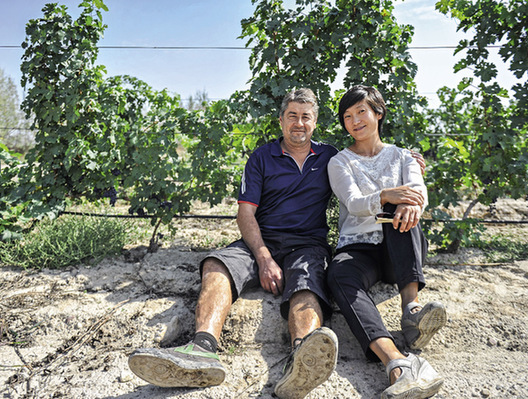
<point>68,333</point>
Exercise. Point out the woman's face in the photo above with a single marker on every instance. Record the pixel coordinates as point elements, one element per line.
<point>361,122</point>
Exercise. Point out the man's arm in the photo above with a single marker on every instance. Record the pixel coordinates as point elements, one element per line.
<point>270,273</point>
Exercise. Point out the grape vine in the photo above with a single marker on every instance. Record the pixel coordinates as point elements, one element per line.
<point>108,138</point>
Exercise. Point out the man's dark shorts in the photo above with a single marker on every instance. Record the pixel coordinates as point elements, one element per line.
<point>303,261</point>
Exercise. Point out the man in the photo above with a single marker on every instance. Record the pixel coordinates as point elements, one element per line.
<point>282,219</point>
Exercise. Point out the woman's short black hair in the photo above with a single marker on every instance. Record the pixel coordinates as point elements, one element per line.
<point>359,93</point>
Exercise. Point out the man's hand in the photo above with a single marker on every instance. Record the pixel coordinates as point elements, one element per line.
<point>270,273</point>
<point>420,159</point>
<point>271,278</point>
<point>406,217</point>
<point>402,195</point>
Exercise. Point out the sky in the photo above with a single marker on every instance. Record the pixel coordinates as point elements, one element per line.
<point>216,23</point>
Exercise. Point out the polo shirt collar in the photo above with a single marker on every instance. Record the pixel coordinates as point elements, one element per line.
<point>276,149</point>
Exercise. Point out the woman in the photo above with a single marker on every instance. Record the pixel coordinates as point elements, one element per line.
<point>369,178</point>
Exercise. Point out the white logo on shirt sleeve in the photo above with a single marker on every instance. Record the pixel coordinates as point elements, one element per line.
<point>243,185</point>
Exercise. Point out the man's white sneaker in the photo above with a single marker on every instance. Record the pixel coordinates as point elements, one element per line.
<point>310,364</point>
<point>183,366</point>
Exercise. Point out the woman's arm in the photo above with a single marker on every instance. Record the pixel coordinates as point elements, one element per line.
<point>413,190</point>
<point>347,191</point>
<point>407,216</point>
<point>401,195</point>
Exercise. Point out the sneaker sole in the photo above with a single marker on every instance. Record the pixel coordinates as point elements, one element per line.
<point>417,392</point>
<point>429,326</point>
<point>313,364</point>
<point>162,371</point>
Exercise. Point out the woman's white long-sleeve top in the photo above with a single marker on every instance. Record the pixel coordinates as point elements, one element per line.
<point>357,181</point>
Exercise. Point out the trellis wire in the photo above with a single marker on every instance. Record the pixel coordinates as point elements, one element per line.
<point>483,221</point>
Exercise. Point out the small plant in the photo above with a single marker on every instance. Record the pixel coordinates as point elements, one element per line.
<point>500,249</point>
<point>66,241</point>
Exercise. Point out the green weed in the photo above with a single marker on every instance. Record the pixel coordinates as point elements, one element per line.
<point>68,240</point>
<point>503,248</point>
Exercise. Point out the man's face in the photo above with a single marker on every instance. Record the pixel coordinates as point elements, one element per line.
<point>298,123</point>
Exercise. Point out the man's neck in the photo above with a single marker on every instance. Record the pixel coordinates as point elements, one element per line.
<point>297,150</point>
<point>298,153</point>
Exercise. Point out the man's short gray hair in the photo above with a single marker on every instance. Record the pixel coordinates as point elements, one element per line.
<point>304,96</point>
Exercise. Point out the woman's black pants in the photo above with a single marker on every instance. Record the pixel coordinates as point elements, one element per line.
<point>357,267</point>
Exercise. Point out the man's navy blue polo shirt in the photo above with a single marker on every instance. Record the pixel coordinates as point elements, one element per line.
<point>288,199</point>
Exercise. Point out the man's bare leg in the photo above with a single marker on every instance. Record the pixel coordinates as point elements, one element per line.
<point>314,357</point>
<point>215,298</point>
<point>195,364</point>
<point>305,314</point>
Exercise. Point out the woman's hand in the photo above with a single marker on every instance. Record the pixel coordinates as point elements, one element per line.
<point>401,195</point>
<point>406,217</point>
